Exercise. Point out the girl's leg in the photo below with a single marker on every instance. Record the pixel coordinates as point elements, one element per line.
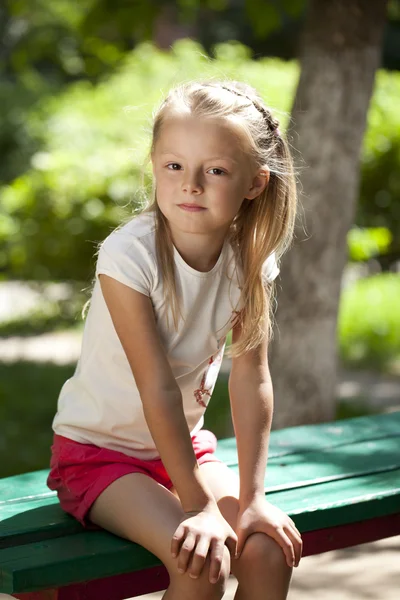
<point>139,509</point>
<point>262,570</point>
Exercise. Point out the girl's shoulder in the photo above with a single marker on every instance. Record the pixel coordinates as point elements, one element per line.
<point>138,231</point>
<point>128,254</point>
<point>139,226</point>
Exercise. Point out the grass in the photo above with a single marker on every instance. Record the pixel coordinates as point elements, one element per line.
<point>28,400</point>
<point>369,323</point>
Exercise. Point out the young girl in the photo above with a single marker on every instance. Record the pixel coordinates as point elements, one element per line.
<point>129,452</point>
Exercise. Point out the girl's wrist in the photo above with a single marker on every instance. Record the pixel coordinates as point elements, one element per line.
<point>197,498</point>
<point>210,506</point>
<point>247,498</point>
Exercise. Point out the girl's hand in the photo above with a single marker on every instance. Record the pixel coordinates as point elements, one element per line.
<point>261,516</point>
<point>199,533</point>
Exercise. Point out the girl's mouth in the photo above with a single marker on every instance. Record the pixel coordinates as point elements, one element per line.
<point>191,207</point>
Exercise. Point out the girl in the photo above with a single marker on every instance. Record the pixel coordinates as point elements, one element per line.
<point>129,452</point>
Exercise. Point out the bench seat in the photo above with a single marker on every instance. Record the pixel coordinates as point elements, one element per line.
<point>339,481</point>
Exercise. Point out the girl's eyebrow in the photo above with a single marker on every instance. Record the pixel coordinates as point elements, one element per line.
<point>206,160</point>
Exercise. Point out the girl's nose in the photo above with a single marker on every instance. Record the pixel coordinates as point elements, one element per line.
<point>192,186</point>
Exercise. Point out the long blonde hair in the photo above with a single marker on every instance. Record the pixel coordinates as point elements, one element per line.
<point>262,226</point>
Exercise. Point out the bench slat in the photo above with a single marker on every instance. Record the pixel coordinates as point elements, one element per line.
<point>309,438</point>
<point>284,472</point>
<point>291,440</point>
<point>28,518</point>
<point>36,523</point>
<point>89,555</point>
<point>70,559</point>
<point>323,475</point>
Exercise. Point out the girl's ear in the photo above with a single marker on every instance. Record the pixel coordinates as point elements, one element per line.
<point>259,183</point>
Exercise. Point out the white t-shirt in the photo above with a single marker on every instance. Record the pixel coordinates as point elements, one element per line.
<point>100,404</point>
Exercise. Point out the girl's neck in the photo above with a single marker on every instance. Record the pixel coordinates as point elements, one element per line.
<point>199,251</point>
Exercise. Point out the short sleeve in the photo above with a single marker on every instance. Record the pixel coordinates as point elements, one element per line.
<point>270,269</point>
<point>127,260</point>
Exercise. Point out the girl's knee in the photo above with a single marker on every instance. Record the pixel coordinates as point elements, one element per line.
<point>259,551</point>
<point>201,587</point>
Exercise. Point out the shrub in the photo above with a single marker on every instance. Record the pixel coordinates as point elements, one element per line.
<point>369,322</point>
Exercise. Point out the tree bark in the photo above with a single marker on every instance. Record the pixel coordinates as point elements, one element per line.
<point>341,50</point>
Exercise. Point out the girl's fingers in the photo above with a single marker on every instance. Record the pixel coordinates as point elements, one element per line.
<point>186,551</point>
<point>298,543</point>
<point>199,557</point>
<point>177,540</point>
<point>232,543</point>
<point>217,555</point>
<point>286,544</point>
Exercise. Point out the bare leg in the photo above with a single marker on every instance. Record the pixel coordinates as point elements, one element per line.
<point>139,509</point>
<point>262,571</point>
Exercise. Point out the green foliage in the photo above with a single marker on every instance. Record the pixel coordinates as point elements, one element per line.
<point>379,204</point>
<point>354,408</point>
<point>294,8</point>
<point>364,244</point>
<point>264,17</point>
<point>67,39</point>
<point>84,156</point>
<point>369,322</point>
<point>16,143</point>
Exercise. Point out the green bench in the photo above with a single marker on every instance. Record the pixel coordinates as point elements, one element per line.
<point>339,481</point>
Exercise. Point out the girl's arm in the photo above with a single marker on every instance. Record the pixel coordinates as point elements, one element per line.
<point>133,318</point>
<point>251,398</point>
<point>203,528</point>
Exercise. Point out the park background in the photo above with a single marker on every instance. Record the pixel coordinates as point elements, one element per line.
<point>79,82</point>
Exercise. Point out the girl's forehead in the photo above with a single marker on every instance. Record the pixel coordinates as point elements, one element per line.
<point>209,134</point>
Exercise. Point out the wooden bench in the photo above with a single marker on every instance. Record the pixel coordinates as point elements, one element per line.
<point>339,481</point>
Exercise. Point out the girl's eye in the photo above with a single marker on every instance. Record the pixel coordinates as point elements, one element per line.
<point>177,167</point>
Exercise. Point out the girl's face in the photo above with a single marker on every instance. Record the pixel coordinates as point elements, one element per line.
<point>200,162</point>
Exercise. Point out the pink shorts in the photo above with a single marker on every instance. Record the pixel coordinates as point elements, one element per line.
<point>81,472</point>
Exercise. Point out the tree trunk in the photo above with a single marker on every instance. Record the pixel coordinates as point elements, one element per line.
<point>341,49</point>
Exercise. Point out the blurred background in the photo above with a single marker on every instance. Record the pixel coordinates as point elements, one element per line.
<point>79,82</point>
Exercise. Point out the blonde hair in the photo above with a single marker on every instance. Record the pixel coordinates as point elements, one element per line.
<point>262,226</point>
